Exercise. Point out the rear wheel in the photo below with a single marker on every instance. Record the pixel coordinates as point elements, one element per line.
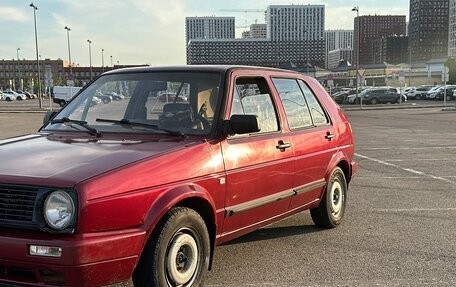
<point>373,101</point>
<point>418,97</point>
<point>331,210</point>
<point>178,252</point>
<point>62,103</point>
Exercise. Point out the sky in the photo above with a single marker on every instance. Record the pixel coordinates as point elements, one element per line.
<point>141,31</point>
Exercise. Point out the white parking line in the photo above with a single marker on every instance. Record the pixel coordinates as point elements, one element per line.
<point>406,169</point>
<point>406,148</point>
<point>390,177</point>
<point>413,209</point>
<point>417,159</point>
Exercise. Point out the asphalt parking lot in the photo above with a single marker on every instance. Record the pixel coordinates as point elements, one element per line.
<point>399,225</point>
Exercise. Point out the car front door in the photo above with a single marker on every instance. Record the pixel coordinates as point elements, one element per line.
<point>312,136</point>
<point>259,167</point>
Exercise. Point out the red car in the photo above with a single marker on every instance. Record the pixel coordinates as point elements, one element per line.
<point>146,189</point>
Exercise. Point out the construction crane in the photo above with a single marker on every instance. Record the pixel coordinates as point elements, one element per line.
<point>245,11</point>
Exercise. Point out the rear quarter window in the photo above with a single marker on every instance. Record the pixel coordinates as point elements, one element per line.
<point>319,116</point>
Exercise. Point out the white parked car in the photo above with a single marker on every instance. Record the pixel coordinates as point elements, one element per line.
<point>20,95</point>
<point>9,95</point>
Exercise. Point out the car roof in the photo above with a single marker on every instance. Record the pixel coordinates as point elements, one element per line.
<point>195,68</point>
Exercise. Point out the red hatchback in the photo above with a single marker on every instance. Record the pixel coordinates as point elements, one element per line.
<point>145,189</point>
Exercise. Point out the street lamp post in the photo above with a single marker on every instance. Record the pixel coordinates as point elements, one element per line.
<point>90,58</point>
<point>18,69</point>
<point>37,59</point>
<point>102,60</point>
<point>356,8</point>
<point>69,53</point>
<point>307,52</point>
<point>111,62</point>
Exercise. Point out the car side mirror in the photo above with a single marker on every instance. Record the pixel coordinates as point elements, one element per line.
<point>48,116</point>
<point>244,124</point>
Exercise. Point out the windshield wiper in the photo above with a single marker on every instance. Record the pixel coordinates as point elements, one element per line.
<point>70,122</point>
<point>126,122</point>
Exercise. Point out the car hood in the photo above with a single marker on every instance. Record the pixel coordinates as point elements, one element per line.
<point>51,160</point>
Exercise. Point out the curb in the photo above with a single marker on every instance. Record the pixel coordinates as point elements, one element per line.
<point>22,111</point>
<point>411,107</point>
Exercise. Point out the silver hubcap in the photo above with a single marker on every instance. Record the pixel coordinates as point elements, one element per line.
<point>182,259</point>
<point>337,199</point>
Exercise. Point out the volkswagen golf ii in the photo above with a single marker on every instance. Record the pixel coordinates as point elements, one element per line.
<point>145,187</point>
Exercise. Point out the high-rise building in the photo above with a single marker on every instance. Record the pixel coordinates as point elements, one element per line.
<point>370,28</point>
<point>335,56</point>
<point>258,31</point>
<point>255,52</point>
<point>428,29</point>
<point>209,28</point>
<point>392,50</point>
<point>337,40</point>
<point>295,34</point>
<point>295,22</point>
<point>452,30</point>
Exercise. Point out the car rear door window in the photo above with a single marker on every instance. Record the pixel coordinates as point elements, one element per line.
<point>318,114</point>
<point>251,96</point>
<point>294,103</point>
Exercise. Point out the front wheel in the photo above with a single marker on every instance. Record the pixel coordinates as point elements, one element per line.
<point>330,212</point>
<point>178,252</point>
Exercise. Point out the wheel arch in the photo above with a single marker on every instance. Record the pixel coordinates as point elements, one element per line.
<point>341,161</point>
<point>191,196</point>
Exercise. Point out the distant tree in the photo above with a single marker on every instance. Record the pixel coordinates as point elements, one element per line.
<point>451,64</point>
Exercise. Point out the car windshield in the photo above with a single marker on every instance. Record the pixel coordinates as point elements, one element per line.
<point>173,103</point>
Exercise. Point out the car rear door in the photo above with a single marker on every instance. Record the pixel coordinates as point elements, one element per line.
<point>259,166</point>
<point>313,138</point>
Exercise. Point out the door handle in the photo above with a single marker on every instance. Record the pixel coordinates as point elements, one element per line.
<point>283,146</point>
<point>329,136</point>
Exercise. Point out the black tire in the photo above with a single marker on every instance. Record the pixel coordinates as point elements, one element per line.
<point>179,225</point>
<point>373,101</point>
<point>62,103</point>
<point>8,99</point>
<point>330,212</point>
<point>19,98</point>
<point>418,97</point>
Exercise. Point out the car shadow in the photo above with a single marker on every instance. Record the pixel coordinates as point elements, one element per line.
<point>275,232</point>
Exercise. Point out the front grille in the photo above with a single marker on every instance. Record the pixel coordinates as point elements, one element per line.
<point>17,204</point>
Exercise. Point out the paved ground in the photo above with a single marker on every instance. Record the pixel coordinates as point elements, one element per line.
<point>399,226</point>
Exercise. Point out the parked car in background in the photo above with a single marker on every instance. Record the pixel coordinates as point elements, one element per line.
<point>418,93</point>
<point>17,96</point>
<point>340,97</point>
<point>440,94</point>
<point>63,94</point>
<point>147,189</point>
<point>379,95</point>
<point>430,95</point>
<point>10,95</point>
<point>106,99</point>
<point>115,96</point>
<point>27,94</point>
<point>20,95</point>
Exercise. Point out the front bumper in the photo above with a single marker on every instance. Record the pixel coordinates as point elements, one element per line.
<point>87,260</point>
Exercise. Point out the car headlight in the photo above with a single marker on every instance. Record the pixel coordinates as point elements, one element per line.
<point>59,210</point>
